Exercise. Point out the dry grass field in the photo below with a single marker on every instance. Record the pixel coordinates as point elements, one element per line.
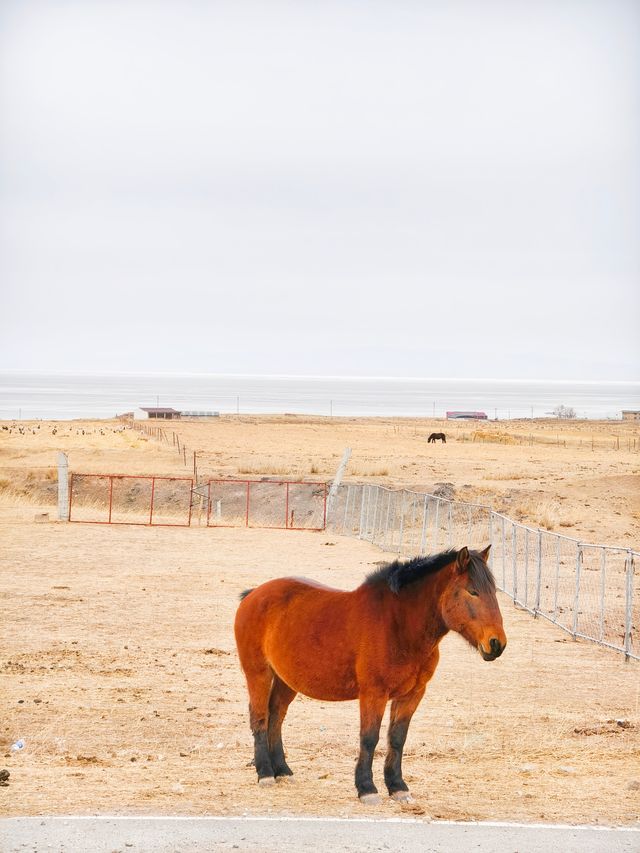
<point>118,665</point>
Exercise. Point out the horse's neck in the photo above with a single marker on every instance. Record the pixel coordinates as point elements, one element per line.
<point>421,618</point>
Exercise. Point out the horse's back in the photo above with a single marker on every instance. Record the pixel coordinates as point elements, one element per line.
<point>287,622</point>
<point>271,601</point>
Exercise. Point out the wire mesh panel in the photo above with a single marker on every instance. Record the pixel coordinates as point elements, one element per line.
<point>125,499</point>
<point>89,498</point>
<point>590,591</point>
<point>227,503</point>
<point>268,503</point>
<point>131,499</point>
<point>412,523</point>
<point>306,506</point>
<point>172,501</point>
<point>603,595</point>
<point>633,604</point>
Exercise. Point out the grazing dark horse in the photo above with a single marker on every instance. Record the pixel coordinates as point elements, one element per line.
<point>437,436</point>
<point>376,643</point>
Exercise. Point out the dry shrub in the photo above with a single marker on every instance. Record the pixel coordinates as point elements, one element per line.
<point>538,513</point>
<point>495,437</point>
<point>369,471</point>
<point>279,470</point>
<point>507,475</point>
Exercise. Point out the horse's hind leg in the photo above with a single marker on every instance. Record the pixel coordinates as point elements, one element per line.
<point>279,700</point>
<point>259,686</point>
<point>371,711</point>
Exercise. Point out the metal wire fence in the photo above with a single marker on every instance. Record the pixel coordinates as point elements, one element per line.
<point>590,591</point>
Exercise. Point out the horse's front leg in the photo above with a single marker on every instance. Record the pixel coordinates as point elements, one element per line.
<point>371,713</point>
<point>402,711</point>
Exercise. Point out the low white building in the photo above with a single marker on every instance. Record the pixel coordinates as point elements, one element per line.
<point>156,413</point>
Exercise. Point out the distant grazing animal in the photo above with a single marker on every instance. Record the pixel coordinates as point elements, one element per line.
<point>377,643</point>
<point>437,436</point>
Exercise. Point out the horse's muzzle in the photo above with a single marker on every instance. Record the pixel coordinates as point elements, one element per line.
<point>495,649</point>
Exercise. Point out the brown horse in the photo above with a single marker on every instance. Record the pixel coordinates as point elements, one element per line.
<point>437,436</point>
<point>377,643</point>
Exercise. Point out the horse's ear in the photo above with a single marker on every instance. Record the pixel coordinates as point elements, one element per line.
<point>484,555</point>
<point>463,559</point>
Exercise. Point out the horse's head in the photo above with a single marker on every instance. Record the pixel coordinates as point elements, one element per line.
<point>469,604</point>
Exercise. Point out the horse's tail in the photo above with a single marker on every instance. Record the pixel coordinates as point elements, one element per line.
<point>244,594</point>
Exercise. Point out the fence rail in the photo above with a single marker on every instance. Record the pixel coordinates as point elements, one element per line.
<point>590,591</point>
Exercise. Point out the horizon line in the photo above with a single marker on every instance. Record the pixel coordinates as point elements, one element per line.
<point>315,376</point>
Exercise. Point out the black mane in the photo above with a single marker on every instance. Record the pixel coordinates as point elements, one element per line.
<point>401,573</point>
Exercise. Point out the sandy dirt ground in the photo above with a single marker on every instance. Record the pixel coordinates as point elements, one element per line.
<point>118,666</point>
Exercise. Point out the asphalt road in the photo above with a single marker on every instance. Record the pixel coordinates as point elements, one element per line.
<point>277,835</point>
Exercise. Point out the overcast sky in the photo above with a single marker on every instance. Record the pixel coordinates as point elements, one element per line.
<point>352,188</point>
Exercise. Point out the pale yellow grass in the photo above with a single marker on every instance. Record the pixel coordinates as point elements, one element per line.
<point>119,671</point>
<point>598,490</point>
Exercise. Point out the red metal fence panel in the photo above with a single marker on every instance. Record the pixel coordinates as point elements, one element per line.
<point>150,500</point>
<point>128,499</point>
<point>280,504</point>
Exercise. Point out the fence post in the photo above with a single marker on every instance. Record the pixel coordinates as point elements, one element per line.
<point>401,522</point>
<point>375,515</point>
<point>413,514</point>
<point>526,567</point>
<point>603,572</point>
<point>362,488</point>
<point>449,524</point>
<point>354,509</point>
<point>425,516</point>
<point>555,592</point>
<point>490,561</point>
<point>436,526</point>
<point>576,598</point>
<point>504,557</point>
<point>368,518</point>
<point>346,509</point>
<point>110,498</point>
<point>386,523</point>
<point>63,486</point>
<point>153,488</point>
<point>628,627</point>
<point>514,560</point>
<point>538,575</point>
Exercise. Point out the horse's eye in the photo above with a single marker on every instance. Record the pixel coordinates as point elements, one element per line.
<point>472,592</point>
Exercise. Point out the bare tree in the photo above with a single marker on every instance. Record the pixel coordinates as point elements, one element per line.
<point>564,412</point>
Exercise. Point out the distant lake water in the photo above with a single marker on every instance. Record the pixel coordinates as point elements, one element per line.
<point>64,396</point>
